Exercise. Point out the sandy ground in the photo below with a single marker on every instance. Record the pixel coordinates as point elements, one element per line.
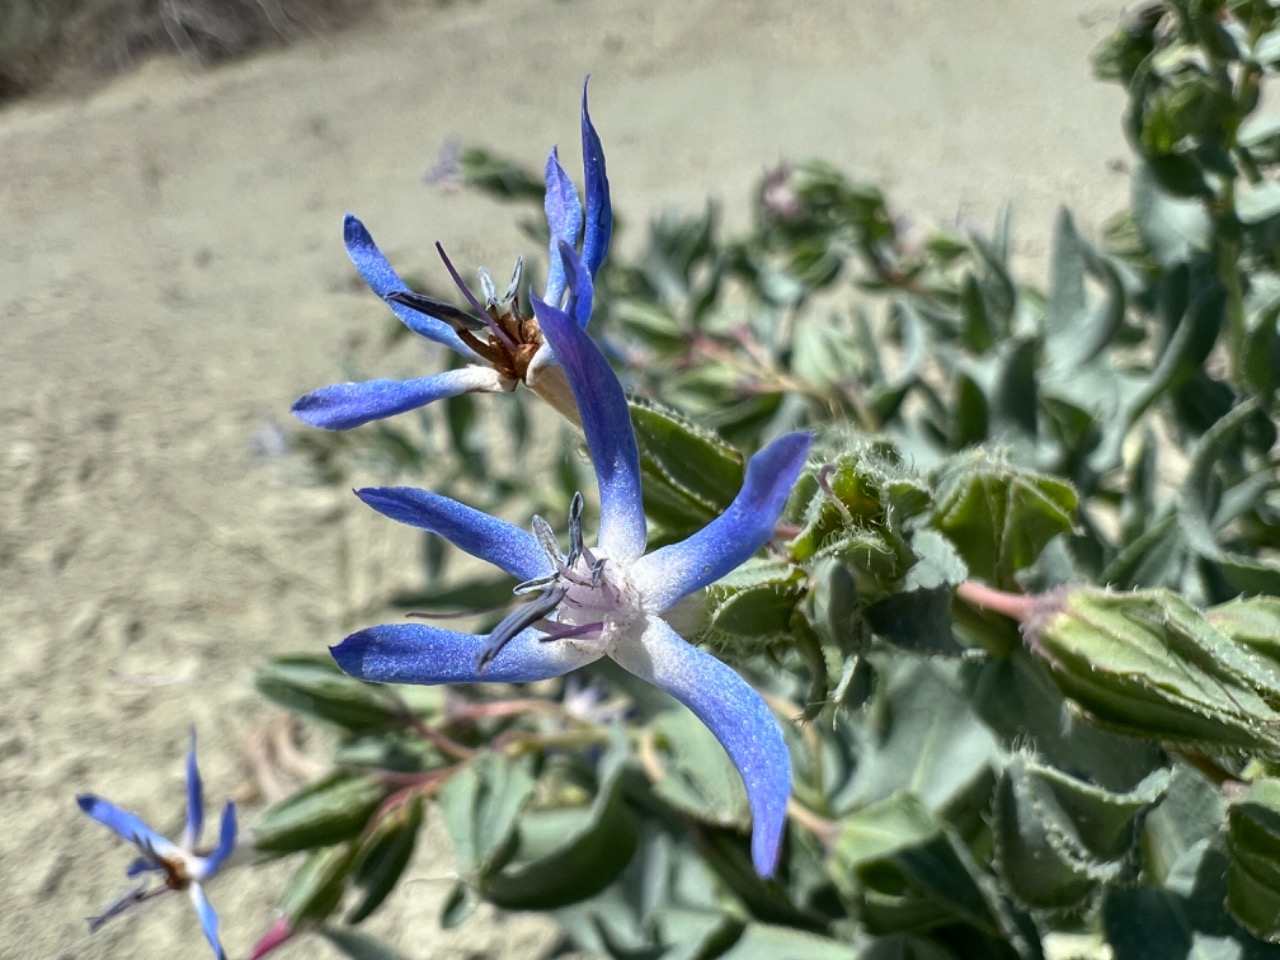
<point>172,276</point>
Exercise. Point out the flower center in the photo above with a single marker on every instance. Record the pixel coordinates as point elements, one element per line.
<point>498,331</point>
<point>587,599</point>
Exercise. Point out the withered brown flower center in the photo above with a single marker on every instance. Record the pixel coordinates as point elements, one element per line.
<point>510,360</point>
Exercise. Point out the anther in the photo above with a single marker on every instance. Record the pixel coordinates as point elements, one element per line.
<point>517,620</point>
<point>547,540</point>
<point>437,309</point>
<point>494,327</point>
<point>575,530</point>
<point>490,292</point>
<point>514,287</point>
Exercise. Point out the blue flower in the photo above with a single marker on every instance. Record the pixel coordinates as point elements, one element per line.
<point>179,866</point>
<point>503,345</point>
<point>609,600</point>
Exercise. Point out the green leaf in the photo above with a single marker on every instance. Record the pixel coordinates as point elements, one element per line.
<point>1201,500</point>
<point>326,812</point>
<point>1067,304</point>
<point>1185,920</point>
<point>358,945</point>
<point>1192,811</point>
<point>384,854</point>
<point>917,620</point>
<point>1258,202</point>
<point>1253,842</point>
<point>315,687</point>
<point>698,778</point>
<point>316,889</point>
<point>1000,516</point>
<point>564,855</point>
<point>690,474</point>
<point>498,176</point>
<point>1057,837</point>
<point>459,903</point>
<point>1017,699</point>
<point>980,329</point>
<point>924,740</point>
<point>757,600</point>
<point>895,848</point>
<point>481,805</point>
<point>760,941</point>
<point>1173,229</point>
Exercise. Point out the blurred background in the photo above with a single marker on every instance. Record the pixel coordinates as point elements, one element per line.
<point>173,176</point>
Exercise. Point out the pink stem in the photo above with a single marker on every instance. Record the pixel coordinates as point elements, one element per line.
<point>1016,606</point>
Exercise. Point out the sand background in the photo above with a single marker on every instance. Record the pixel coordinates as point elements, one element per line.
<point>172,276</point>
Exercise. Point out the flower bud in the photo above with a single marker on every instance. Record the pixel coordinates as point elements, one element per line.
<point>1149,664</point>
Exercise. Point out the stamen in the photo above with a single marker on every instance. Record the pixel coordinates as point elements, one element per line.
<point>597,569</point>
<point>575,530</point>
<point>514,286</point>
<point>434,308</point>
<point>494,328</point>
<point>532,586</point>
<point>445,615</point>
<point>123,903</point>
<point>517,620</point>
<point>578,630</point>
<point>547,540</point>
<point>490,293</point>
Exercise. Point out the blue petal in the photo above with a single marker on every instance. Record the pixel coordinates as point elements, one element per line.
<point>208,920</point>
<point>564,219</point>
<point>606,421</point>
<point>492,540</point>
<point>226,844</point>
<point>382,279</point>
<point>419,653</point>
<point>342,406</point>
<point>736,714</point>
<point>195,799</point>
<point>125,824</point>
<point>668,574</point>
<point>595,242</point>
<point>142,865</point>
<point>582,290</point>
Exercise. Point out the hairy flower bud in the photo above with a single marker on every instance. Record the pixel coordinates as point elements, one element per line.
<point>1150,664</point>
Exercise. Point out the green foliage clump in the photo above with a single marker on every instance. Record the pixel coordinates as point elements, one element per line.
<point>1022,611</point>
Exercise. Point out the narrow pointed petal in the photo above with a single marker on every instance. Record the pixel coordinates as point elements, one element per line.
<point>208,920</point>
<point>382,280</point>
<point>125,824</point>
<point>736,714</point>
<point>495,541</point>
<point>226,844</point>
<point>341,406</point>
<point>672,572</point>
<point>195,799</point>
<point>581,289</point>
<point>599,225</point>
<point>419,653</point>
<point>141,865</point>
<point>606,422</point>
<point>120,905</point>
<point>564,219</point>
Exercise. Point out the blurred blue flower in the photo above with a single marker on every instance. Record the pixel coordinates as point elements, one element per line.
<point>179,866</point>
<point>609,600</point>
<point>503,345</point>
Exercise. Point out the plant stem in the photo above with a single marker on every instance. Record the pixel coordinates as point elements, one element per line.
<point>1016,606</point>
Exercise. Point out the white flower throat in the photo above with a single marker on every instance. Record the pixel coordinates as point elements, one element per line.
<point>588,598</point>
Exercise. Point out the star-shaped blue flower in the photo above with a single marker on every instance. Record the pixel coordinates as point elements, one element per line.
<point>609,600</point>
<point>179,866</point>
<point>503,346</point>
